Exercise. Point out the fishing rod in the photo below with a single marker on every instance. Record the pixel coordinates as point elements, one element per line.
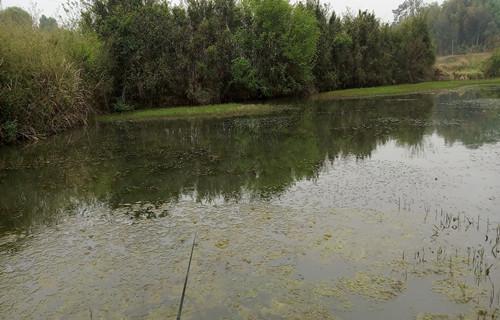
<point>186,280</point>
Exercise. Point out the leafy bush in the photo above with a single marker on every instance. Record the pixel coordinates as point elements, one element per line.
<point>492,66</point>
<point>121,106</point>
<point>8,131</point>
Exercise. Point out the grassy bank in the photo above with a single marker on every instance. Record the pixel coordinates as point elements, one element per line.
<point>237,109</point>
<point>424,87</point>
<point>207,111</point>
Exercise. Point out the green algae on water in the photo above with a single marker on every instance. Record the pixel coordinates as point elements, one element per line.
<point>376,287</point>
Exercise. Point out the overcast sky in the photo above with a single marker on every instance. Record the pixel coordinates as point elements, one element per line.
<point>382,8</point>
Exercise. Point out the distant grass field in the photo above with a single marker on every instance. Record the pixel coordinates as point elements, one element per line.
<point>237,109</point>
<point>463,67</point>
<point>423,87</point>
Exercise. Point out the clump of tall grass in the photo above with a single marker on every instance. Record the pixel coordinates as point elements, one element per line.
<point>44,87</point>
<point>462,67</point>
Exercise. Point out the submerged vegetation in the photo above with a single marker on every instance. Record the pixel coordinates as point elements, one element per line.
<point>263,193</point>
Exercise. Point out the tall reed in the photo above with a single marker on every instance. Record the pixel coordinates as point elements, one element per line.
<point>44,87</point>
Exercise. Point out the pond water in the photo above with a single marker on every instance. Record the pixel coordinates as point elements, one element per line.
<point>385,208</point>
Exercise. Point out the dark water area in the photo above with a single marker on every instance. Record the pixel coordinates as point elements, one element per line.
<point>384,208</point>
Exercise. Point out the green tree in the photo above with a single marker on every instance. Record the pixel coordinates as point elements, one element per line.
<point>415,54</point>
<point>47,23</point>
<point>325,76</point>
<point>277,46</point>
<point>458,26</point>
<point>408,9</point>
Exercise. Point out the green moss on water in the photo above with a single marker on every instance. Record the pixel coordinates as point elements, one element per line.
<point>457,290</point>
<point>283,309</point>
<point>424,87</point>
<point>372,286</point>
<point>475,315</point>
<point>430,316</point>
<point>208,111</point>
<point>222,244</point>
<point>333,292</point>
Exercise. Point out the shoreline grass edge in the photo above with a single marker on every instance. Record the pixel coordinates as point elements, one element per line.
<point>185,112</point>
<point>242,109</point>
<point>401,89</point>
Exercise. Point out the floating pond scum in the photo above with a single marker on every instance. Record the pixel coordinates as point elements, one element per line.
<point>383,208</point>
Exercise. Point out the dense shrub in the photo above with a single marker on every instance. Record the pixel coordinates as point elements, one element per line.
<point>492,67</point>
<point>414,57</point>
<point>276,49</point>
<point>207,51</point>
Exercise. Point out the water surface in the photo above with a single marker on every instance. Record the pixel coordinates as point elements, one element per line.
<point>352,209</point>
